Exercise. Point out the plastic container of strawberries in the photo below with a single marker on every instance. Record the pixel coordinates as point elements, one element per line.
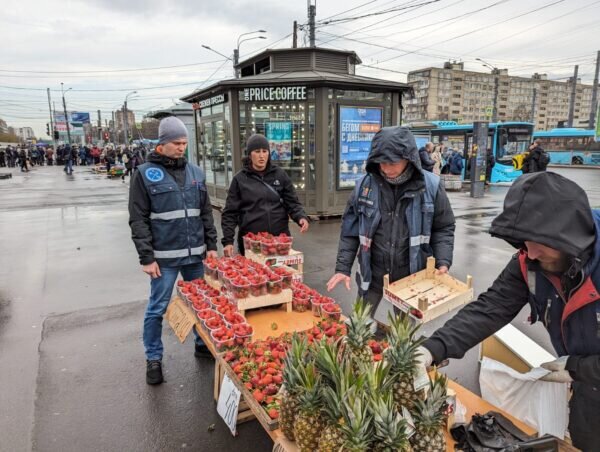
<point>283,243</point>
<point>274,284</point>
<point>223,338</point>
<point>301,302</point>
<point>331,311</point>
<point>243,333</point>
<point>240,288</point>
<point>213,323</point>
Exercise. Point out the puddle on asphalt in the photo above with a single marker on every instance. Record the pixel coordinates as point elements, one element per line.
<point>474,216</point>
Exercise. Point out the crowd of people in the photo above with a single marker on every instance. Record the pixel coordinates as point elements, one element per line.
<point>27,156</point>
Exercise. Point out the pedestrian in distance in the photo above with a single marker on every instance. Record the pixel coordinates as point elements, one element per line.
<point>261,198</point>
<point>489,165</point>
<point>397,216</point>
<point>455,164</point>
<point>536,160</point>
<point>23,160</point>
<point>427,163</point>
<point>172,227</point>
<point>556,272</point>
<point>50,155</point>
<point>68,159</point>
<point>2,158</point>
<point>436,156</point>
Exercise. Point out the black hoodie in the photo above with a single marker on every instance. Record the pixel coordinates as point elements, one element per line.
<point>541,207</point>
<point>391,239</point>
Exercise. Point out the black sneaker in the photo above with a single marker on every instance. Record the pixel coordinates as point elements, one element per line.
<point>202,351</point>
<point>154,374</point>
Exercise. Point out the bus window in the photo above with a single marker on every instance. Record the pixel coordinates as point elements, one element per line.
<point>510,145</point>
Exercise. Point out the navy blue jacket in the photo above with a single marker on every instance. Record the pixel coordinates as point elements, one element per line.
<point>456,163</point>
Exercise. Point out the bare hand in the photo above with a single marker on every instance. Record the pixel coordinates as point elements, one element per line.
<point>152,269</point>
<point>336,279</point>
<point>212,254</point>
<point>228,251</point>
<point>303,225</point>
<point>442,270</point>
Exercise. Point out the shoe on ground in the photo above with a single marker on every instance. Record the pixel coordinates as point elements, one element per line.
<point>154,375</point>
<point>202,351</point>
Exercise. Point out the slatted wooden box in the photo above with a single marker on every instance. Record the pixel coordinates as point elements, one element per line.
<point>426,295</point>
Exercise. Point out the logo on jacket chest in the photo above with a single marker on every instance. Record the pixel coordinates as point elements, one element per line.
<point>276,182</point>
<point>154,174</point>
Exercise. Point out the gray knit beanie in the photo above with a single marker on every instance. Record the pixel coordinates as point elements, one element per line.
<point>171,129</point>
<point>256,141</point>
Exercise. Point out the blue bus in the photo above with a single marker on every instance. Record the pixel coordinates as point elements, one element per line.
<point>505,139</point>
<point>570,146</point>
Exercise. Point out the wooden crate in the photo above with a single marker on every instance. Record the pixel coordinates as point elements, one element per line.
<point>426,295</point>
<point>245,304</point>
<point>294,261</point>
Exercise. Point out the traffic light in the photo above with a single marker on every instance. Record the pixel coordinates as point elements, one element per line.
<point>56,135</point>
<point>47,129</point>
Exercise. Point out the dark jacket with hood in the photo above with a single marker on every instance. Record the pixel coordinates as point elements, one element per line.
<point>549,209</point>
<point>427,163</point>
<point>260,202</point>
<point>390,242</point>
<point>140,210</point>
<point>535,161</point>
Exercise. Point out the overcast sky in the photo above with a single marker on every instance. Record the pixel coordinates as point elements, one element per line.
<point>47,42</point>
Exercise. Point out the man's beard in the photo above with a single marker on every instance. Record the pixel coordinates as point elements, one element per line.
<point>559,266</point>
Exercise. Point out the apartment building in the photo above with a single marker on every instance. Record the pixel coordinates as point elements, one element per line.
<point>451,93</point>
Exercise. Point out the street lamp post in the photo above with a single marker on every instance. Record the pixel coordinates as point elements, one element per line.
<point>236,51</point>
<point>496,73</point>
<point>125,124</point>
<point>65,111</point>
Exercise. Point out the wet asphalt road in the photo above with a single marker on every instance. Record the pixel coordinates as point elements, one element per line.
<point>71,306</point>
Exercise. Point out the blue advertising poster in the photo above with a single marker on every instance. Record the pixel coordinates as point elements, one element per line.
<point>358,126</point>
<point>80,117</point>
<point>279,135</point>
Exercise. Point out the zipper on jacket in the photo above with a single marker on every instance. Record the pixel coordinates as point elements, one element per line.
<point>562,297</point>
<point>547,317</point>
<point>187,223</point>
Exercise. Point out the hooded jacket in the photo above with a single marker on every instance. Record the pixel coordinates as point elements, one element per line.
<point>390,243</point>
<point>549,209</point>
<point>260,203</point>
<point>140,210</point>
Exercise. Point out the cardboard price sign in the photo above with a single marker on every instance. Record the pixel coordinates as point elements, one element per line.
<point>229,403</point>
<point>180,318</point>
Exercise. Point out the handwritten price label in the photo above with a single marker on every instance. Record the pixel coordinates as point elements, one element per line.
<point>228,404</point>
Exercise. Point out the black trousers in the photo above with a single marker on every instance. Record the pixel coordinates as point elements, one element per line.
<point>584,417</point>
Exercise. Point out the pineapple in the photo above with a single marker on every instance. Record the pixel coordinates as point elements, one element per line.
<point>309,423</point>
<point>288,408</point>
<point>342,380</point>
<point>359,332</point>
<point>390,427</point>
<point>357,425</point>
<point>402,356</point>
<point>430,416</point>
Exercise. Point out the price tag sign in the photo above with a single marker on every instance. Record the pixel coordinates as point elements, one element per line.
<point>228,404</point>
<point>180,318</point>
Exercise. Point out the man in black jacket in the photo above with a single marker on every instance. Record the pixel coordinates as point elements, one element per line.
<point>557,273</point>
<point>536,160</point>
<point>261,198</point>
<point>172,227</point>
<point>398,215</point>
<point>427,163</point>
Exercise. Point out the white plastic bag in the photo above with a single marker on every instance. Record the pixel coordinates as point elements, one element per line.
<point>542,405</point>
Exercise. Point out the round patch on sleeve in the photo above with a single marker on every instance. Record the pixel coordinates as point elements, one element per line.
<point>155,174</point>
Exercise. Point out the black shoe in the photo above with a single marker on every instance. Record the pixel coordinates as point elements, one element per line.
<point>202,351</point>
<point>154,374</point>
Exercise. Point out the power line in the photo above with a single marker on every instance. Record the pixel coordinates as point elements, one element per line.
<point>379,13</point>
<point>112,70</point>
<point>544,23</point>
<point>479,29</point>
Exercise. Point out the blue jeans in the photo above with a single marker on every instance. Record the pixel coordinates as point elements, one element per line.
<point>161,290</point>
<point>69,166</point>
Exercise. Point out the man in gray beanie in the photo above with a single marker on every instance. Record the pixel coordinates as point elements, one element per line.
<point>172,227</point>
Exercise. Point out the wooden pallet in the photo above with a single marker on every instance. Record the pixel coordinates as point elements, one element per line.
<point>294,261</point>
<point>246,304</point>
<point>426,295</point>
